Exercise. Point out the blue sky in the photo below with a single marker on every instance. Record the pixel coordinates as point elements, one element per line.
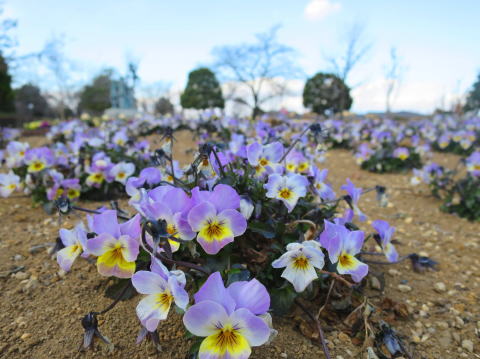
<point>437,40</point>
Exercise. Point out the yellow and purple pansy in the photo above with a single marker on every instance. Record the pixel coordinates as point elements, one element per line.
<point>116,245</point>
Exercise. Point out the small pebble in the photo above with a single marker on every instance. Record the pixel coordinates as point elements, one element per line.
<point>467,345</point>
<point>440,287</point>
<point>404,288</point>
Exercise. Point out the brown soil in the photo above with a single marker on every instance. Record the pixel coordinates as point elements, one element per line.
<point>41,310</point>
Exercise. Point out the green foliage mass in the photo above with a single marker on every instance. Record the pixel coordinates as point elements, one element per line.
<point>202,91</point>
<point>7,95</point>
<point>326,92</point>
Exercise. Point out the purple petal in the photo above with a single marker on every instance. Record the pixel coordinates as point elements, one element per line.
<point>148,282</point>
<point>353,242</point>
<point>214,290</point>
<point>200,213</point>
<point>331,239</point>
<point>251,295</point>
<point>179,293</point>
<point>100,244</point>
<point>177,200</point>
<point>253,328</point>
<point>273,151</point>
<point>106,223</point>
<point>201,319</point>
<point>224,197</point>
<point>237,221</point>
<point>131,248</point>
<point>254,151</point>
<point>132,227</point>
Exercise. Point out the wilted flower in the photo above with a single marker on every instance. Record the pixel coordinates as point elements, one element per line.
<point>300,261</point>
<point>354,194</point>
<point>385,233</point>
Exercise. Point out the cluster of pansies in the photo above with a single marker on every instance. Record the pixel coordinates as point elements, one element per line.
<point>459,194</point>
<point>256,214</point>
<point>251,226</point>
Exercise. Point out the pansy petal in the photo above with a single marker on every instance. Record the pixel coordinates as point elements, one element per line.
<point>300,278</point>
<point>177,200</point>
<point>180,295</point>
<point>199,213</point>
<point>251,295</point>
<point>106,223</point>
<point>100,244</point>
<point>132,227</point>
<point>146,282</point>
<point>237,222</point>
<point>67,255</point>
<point>224,197</point>
<point>353,242</point>
<point>213,289</point>
<point>253,328</point>
<point>355,268</point>
<point>130,248</point>
<point>201,319</point>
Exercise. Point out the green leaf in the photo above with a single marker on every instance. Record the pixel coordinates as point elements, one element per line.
<point>282,299</point>
<point>263,229</point>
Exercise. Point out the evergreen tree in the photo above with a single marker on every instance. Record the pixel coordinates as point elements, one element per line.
<point>473,98</point>
<point>29,102</point>
<point>6,93</point>
<point>326,92</point>
<point>163,106</point>
<point>95,98</point>
<point>202,91</point>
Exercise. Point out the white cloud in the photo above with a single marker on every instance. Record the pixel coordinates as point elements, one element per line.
<point>318,9</point>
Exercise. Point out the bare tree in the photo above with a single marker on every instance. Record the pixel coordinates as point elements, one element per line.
<point>393,75</point>
<point>355,50</point>
<point>7,41</point>
<point>53,57</point>
<point>259,70</point>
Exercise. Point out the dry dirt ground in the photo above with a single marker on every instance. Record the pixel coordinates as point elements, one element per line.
<point>41,310</point>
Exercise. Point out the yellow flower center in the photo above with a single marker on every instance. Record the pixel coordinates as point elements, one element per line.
<point>12,186</point>
<point>73,193</point>
<point>121,175</point>
<point>263,162</point>
<point>59,192</point>
<point>38,166</point>
<point>303,166</point>
<point>301,262</point>
<point>227,338</point>
<point>214,229</point>
<point>345,260</point>
<point>164,300</point>
<point>285,193</point>
<point>171,229</point>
